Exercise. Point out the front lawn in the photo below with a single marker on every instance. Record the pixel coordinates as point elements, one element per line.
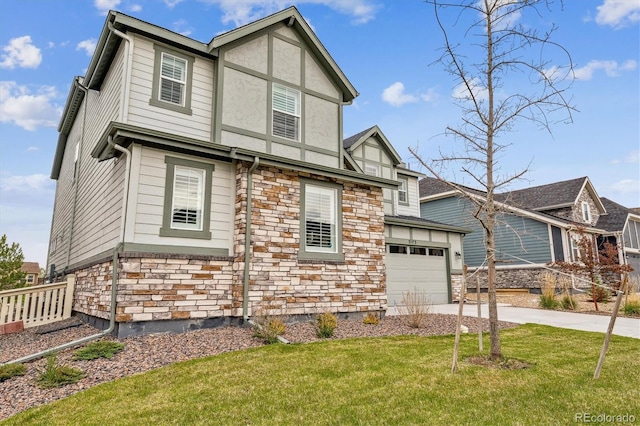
<point>380,381</point>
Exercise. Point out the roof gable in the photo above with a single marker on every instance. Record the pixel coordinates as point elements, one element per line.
<point>616,217</point>
<point>358,139</point>
<point>293,19</point>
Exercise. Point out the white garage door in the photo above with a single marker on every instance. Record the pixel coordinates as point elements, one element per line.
<point>420,268</point>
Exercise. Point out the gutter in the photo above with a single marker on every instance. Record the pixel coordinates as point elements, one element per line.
<point>78,342</point>
<point>126,86</point>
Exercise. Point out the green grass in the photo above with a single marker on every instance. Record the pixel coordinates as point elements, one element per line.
<point>381,381</point>
<point>102,349</point>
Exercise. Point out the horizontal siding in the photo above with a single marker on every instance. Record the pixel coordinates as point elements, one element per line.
<point>413,209</point>
<point>517,236</point>
<point>150,203</point>
<point>197,125</point>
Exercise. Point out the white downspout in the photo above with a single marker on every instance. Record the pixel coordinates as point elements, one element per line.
<point>125,195</point>
<point>126,86</point>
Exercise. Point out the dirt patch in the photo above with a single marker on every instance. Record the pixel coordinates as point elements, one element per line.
<point>503,364</point>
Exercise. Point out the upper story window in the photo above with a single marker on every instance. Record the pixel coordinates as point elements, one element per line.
<point>586,212</point>
<point>371,169</point>
<point>172,80</point>
<point>402,192</point>
<point>286,112</point>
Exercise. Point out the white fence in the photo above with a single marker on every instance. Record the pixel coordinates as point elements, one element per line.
<point>38,305</point>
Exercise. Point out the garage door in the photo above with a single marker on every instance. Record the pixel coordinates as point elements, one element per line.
<point>421,268</point>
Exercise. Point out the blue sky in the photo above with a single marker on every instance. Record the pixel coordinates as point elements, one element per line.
<point>387,48</point>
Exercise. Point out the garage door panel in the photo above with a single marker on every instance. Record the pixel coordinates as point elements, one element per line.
<point>427,274</point>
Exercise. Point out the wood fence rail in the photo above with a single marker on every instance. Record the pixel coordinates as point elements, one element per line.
<point>38,305</point>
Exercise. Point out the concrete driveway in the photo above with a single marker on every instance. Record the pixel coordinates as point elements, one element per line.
<point>629,327</point>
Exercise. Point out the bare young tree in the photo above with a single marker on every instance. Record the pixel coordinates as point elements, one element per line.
<point>505,73</point>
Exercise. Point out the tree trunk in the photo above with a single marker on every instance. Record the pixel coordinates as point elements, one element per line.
<point>494,332</point>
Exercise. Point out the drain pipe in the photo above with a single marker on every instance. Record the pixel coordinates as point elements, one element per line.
<point>114,277</point>
<point>247,241</point>
<point>78,342</point>
<point>126,86</point>
<point>247,254</point>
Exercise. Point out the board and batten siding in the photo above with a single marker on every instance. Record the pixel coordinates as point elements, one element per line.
<point>147,201</point>
<point>248,70</point>
<point>196,125</point>
<point>370,152</point>
<point>96,223</point>
<point>517,236</point>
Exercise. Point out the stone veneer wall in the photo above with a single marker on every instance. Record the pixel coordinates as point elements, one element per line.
<point>528,278</point>
<point>156,287</point>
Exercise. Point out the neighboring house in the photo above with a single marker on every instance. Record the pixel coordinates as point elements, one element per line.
<point>536,226</point>
<point>165,143</point>
<point>32,271</point>
<point>622,223</point>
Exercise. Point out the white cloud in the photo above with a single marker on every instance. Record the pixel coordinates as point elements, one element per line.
<point>461,92</point>
<point>172,3</point>
<point>243,12</point>
<point>429,96</point>
<point>135,8</point>
<point>632,158</point>
<point>31,184</point>
<point>618,13</point>
<point>89,46</point>
<point>394,95</point>
<point>626,186</point>
<point>181,26</point>
<point>104,6</point>
<point>33,149</point>
<point>29,111</point>
<point>20,52</point>
<point>611,68</point>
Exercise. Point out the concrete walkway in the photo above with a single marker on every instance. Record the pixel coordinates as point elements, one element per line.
<point>629,327</point>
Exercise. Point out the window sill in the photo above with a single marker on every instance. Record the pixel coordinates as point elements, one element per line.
<point>184,233</point>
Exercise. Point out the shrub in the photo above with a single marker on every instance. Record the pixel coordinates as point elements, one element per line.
<point>548,292</point>
<point>568,302</point>
<point>371,319</point>
<point>632,306</point>
<point>103,349</point>
<point>599,294</point>
<point>415,308</point>
<point>326,324</point>
<point>55,375</point>
<point>268,328</point>
<point>11,370</point>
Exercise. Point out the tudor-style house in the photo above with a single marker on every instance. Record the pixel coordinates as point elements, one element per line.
<point>536,226</point>
<point>198,183</point>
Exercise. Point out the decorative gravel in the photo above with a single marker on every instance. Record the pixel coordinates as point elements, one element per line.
<point>145,353</point>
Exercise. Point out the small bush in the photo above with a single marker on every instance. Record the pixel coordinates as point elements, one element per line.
<point>568,302</point>
<point>268,329</point>
<point>326,325</point>
<point>599,294</point>
<point>55,375</point>
<point>548,289</point>
<point>548,302</point>
<point>11,370</point>
<point>632,307</point>
<point>371,319</point>
<point>415,308</point>
<point>103,349</point>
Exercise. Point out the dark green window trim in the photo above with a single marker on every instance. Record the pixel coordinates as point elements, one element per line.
<point>303,254</point>
<point>155,101</point>
<point>166,230</point>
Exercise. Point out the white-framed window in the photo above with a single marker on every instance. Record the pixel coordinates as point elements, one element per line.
<point>586,212</point>
<point>286,112</point>
<point>371,169</point>
<point>188,198</point>
<point>173,79</point>
<point>30,279</point>
<point>321,219</point>
<point>402,192</point>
